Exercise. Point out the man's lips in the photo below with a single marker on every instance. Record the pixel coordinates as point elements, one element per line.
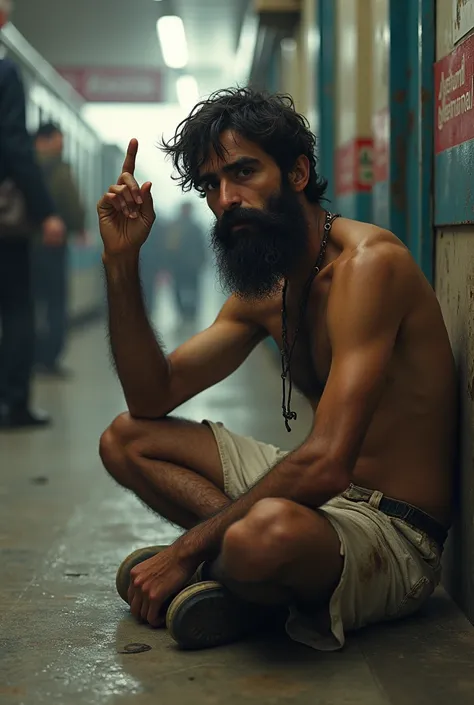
<point>240,226</point>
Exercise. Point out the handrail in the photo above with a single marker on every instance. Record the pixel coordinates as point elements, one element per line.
<point>16,43</point>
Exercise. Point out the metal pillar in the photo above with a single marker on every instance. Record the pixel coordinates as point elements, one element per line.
<point>326,78</point>
<point>419,142</point>
<point>403,203</point>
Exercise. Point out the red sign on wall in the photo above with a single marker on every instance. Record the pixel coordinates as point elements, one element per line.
<point>118,85</point>
<point>354,166</point>
<point>454,97</point>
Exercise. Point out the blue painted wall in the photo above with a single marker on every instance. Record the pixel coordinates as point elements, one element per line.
<point>356,205</point>
<point>454,185</point>
<point>398,107</point>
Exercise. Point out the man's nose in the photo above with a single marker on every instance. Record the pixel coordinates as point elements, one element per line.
<point>229,198</point>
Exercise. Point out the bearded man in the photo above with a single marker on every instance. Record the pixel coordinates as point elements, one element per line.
<point>346,530</point>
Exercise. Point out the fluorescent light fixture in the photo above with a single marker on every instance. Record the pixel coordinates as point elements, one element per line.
<point>188,91</point>
<point>170,29</point>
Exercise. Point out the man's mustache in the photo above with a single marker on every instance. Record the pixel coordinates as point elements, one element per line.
<point>246,216</point>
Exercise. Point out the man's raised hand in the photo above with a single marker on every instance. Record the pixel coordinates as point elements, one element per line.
<point>126,212</point>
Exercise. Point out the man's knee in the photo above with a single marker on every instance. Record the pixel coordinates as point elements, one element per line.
<point>113,446</point>
<point>114,435</point>
<point>257,547</point>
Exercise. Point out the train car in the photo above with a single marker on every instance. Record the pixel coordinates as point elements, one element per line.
<point>95,165</point>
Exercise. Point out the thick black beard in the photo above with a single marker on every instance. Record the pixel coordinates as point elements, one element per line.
<point>253,260</point>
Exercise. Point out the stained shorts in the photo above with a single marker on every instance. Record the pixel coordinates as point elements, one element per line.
<point>390,568</point>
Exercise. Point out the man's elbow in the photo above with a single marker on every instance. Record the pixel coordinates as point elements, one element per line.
<point>324,479</point>
<point>150,404</point>
<point>331,480</point>
<point>149,409</point>
<point>143,413</point>
<point>338,480</point>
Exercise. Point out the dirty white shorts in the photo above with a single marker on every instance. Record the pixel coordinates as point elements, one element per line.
<point>390,567</point>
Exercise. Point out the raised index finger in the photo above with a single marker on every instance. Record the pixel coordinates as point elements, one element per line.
<point>130,157</point>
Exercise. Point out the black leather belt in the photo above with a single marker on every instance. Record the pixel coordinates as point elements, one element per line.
<point>417,518</point>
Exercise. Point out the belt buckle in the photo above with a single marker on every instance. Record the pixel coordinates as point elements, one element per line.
<point>355,494</point>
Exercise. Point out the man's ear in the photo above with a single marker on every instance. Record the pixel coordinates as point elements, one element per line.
<point>299,175</point>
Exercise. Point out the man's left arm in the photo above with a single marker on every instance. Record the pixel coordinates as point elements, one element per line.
<point>365,309</point>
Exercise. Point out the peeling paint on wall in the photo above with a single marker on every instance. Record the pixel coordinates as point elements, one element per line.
<point>455,290</point>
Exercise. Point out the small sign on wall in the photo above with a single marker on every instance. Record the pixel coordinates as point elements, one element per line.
<point>463,18</point>
<point>115,84</point>
<point>454,97</point>
<point>354,166</point>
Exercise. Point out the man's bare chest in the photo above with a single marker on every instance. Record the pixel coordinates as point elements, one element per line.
<point>308,343</point>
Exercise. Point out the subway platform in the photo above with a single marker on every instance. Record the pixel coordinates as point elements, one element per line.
<point>66,638</point>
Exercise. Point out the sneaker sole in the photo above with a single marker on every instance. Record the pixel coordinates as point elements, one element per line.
<point>207,615</point>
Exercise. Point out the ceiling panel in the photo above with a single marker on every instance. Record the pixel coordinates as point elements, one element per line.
<point>92,32</point>
<point>213,28</point>
<point>123,32</point>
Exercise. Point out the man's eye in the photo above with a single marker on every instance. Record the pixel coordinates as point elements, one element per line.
<point>245,171</point>
<point>209,186</point>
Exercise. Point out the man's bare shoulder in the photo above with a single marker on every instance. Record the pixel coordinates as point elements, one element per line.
<point>375,266</point>
<point>373,254</point>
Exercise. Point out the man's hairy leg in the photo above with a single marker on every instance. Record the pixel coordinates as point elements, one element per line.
<point>172,465</point>
<point>176,493</point>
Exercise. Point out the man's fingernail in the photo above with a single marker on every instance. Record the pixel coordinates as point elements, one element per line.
<point>139,199</point>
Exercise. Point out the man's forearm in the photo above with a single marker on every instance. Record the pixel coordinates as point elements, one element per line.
<point>296,479</point>
<point>141,364</point>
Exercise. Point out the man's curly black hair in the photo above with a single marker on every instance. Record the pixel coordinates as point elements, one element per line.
<point>270,121</point>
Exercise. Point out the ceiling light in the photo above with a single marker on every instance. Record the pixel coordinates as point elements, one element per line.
<point>170,29</point>
<point>188,91</point>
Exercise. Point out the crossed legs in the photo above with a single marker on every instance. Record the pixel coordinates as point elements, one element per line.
<point>280,551</point>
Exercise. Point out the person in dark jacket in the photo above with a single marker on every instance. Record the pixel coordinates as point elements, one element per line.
<point>50,270</point>
<point>19,167</point>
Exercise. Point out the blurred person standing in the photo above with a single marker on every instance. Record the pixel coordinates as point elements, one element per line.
<point>25,206</point>
<point>50,264</point>
<point>184,257</point>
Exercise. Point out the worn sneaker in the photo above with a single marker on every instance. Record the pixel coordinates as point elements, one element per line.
<point>206,615</point>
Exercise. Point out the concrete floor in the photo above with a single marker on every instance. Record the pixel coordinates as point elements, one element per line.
<point>64,528</point>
